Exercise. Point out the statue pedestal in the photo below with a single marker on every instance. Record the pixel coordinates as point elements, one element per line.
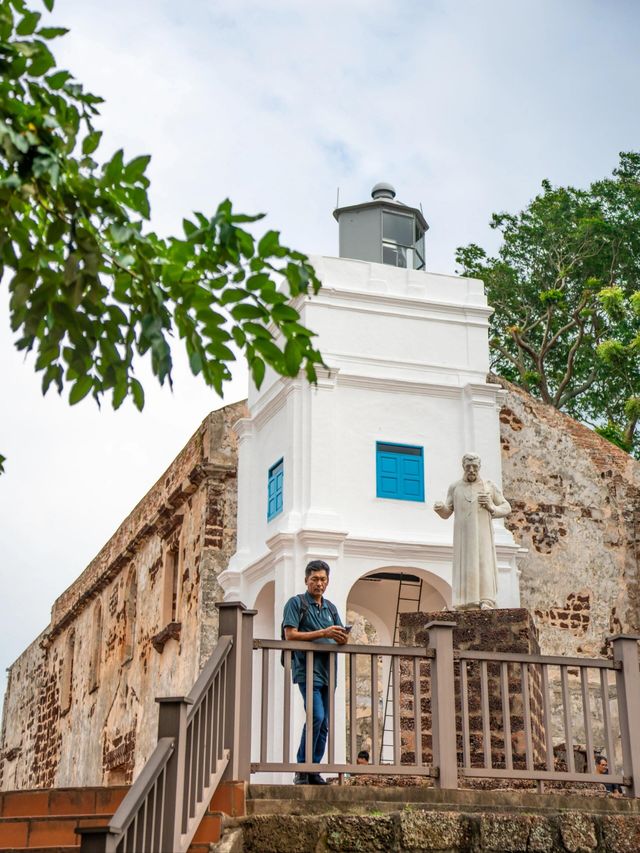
<point>508,630</point>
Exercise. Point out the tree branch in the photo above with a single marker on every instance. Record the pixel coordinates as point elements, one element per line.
<point>569,371</point>
<point>580,389</point>
<point>629,432</point>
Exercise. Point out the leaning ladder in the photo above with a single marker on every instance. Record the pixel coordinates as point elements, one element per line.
<point>409,595</point>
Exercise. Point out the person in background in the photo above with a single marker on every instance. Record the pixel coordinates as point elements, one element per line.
<point>602,766</point>
<point>363,757</point>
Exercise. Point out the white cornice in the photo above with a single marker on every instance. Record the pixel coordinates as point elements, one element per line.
<point>275,399</point>
<point>329,540</point>
<point>407,551</point>
<point>398,386</point>
<point>345,360</point>
<point>393,305</point>
<point>282,542</point>
<point>393,550</point>
<point>243,428</point>
<point>327,378</point>
<point>330,543</point>
<point>484,394</point>
<point>261,568</point>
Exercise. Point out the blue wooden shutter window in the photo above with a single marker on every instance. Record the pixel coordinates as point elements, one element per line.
<point>399,471</point>
<point>275,489</point>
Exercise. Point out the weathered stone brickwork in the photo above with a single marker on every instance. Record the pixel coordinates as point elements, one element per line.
<point>576,508</point>
<point>80,704</point>
<point>551,825</point>
<point>509,631</point>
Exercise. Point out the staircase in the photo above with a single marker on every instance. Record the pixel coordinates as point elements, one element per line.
<point>45,821</point>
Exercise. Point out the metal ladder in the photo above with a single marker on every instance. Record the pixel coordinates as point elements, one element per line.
<point>409,593</point>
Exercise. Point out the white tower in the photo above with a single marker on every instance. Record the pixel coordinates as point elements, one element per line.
<point>348,471</point>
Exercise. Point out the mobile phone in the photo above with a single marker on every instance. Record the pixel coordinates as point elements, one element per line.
<point>347,628</point>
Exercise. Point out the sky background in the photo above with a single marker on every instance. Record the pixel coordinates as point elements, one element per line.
<point>464,106</point>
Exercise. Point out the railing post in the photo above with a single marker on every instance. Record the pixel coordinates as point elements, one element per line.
<point>625,650</point>
<point>246,693</point>
<point>231,624</point>
<point>443,705</point>
<point>94,839</point>
<point>172,723</point>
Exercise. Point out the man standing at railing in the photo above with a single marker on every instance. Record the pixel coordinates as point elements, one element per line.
<point>310,616</point>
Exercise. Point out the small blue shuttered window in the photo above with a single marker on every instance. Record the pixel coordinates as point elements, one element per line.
<point>399,471</point>
<point>275,483</point>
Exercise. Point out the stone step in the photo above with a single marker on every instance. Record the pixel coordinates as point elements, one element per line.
<point>47,819</point>
<point>44,850</point>
<point>314,799</point>
<point>22,833</point>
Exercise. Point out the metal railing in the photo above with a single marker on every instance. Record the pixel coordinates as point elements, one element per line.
<point>533,676</point>
<point>199,744</point>
<point>466,713</point>
<point>378,659</point>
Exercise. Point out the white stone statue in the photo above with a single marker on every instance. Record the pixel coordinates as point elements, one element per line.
<point>475,503</point>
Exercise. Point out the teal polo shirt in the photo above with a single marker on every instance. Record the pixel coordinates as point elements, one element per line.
<point>317,616</point>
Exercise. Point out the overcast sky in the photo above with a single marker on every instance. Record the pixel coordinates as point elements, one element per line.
<point>464,106</point>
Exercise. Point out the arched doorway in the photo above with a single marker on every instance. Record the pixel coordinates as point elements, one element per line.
<point>264,620</point>
<point>382,594</point>
<point>374,606</point>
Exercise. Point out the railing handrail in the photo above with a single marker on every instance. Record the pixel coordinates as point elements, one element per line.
<point>347,648</point>
<point>148,776</point>
<point>446,667</point>
<point>209,672</point>
<point>524,657</point>
<point>420,652</point>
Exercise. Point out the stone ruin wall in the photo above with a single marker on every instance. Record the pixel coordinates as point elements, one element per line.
<point>109,730</point>
<point>576,508</point>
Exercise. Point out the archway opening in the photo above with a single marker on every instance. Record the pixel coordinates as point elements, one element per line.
<point>375,605</point>
<point>263,622</point>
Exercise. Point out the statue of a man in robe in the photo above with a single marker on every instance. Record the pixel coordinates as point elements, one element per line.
<point>475,503</point>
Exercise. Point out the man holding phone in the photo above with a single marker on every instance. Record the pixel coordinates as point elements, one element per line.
<point>312,617</point>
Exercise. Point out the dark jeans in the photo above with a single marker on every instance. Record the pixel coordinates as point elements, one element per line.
<point>320,722</point>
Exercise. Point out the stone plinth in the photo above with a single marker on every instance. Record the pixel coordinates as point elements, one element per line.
<point>511,630</point>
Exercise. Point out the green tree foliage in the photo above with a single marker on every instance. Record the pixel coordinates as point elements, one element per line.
<point>91,285</point>
<point>564,286</point>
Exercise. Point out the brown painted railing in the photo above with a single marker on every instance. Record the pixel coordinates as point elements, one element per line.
<point>570,723</point>
<point>199,744</point>
<point>270,652</point>
<point>508,698</point>
<point>534,674</point>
